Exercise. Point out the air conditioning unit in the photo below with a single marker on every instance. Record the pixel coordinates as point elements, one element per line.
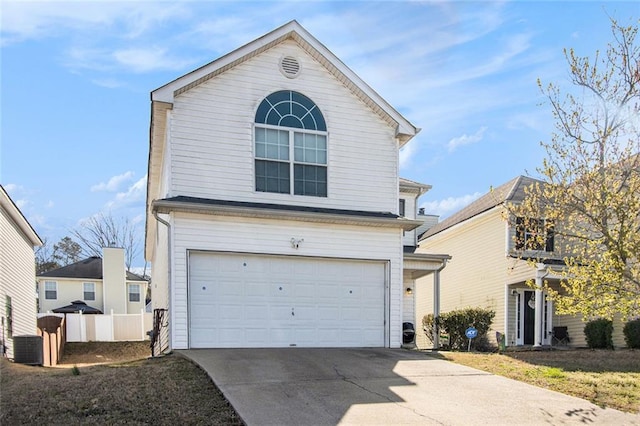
<point>27,349</point>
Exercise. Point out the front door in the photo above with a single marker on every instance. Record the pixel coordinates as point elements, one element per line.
<point>526,315</point>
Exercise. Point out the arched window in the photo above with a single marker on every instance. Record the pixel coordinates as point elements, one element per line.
<point>290,140</point>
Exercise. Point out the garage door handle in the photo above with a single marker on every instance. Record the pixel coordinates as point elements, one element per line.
<point>293,314</point>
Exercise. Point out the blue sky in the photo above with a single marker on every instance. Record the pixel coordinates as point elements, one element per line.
<point>76,77</point>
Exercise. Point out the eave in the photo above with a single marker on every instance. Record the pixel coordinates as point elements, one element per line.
<point>18,218</point>
<point>278,212</point>
<point>421,264</point>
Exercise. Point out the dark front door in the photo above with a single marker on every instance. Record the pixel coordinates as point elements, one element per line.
<point>529,317</point>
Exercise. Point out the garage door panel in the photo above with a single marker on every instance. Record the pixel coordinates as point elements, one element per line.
<point>241,300</point>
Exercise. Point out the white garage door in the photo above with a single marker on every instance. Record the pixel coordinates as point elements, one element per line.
<point>238,300</point>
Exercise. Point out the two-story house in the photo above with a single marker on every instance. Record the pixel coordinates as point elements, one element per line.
<point>490,270</point>
<point>17,275</point>
<point>273,214</point>
<point>102,283</point>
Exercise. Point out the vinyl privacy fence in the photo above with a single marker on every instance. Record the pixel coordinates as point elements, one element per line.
<point>108,327</point>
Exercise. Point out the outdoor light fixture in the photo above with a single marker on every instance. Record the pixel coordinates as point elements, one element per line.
<point>409,291</point>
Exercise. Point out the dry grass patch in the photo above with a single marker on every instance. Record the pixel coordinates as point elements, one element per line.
<point>167,390</point>
<point>606,378</point>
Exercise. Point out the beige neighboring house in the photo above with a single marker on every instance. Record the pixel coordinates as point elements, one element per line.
<point>102,283</point>
<point>487,271</point>
<point>272,203</point>
<point>17,275</point>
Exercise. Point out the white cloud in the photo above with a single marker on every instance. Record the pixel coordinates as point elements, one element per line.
<point>114,183</point>
<point>134,194</point>
<point>146,59</point>
<point>22,204</point>
<point>407,152</point>
<point>447,206</point>
<point>11,187</point>
<point>466,139</point>
<point>23,20</point>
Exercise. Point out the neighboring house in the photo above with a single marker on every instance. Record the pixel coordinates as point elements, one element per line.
<point>17,275</point>
<point>489,270</point>
<point>272,205</point>
<point>102,283</point>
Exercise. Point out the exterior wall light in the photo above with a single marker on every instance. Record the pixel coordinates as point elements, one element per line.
<point>409,291</point>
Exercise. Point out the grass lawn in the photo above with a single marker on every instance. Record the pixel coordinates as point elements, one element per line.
<point>606,378</point>
<point>128,388</point>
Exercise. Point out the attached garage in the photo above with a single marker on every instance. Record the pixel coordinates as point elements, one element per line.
<point>250,300</point>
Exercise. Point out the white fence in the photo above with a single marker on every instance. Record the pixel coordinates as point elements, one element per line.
<point>108,327</point>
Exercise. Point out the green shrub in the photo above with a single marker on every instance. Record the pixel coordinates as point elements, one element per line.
<point>598,333</point>
<point>631,332</point>
<point>455,323</point>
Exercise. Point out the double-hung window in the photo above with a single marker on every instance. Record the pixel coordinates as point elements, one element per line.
<point>290,146</point>
<point>134,292</point>
<point>534,234</point>
<point>89,291</point>
<point>50,290</point>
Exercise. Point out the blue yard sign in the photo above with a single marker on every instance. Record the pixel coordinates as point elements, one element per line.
<point>471,333</point>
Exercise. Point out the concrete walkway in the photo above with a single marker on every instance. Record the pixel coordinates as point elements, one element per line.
<point>382,387</point>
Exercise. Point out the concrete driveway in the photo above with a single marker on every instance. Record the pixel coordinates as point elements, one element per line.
<point>382,387</point>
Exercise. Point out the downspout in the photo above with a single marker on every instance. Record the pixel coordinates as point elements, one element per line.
<point>436,305</point>
<point>169,260</point>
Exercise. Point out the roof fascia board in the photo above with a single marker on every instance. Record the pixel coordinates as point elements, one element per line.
<point>404,129</point>
<point>166,207</point>
<point>16,215</point>
<point>457,225</point>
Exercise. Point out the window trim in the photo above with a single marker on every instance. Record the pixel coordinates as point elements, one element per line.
<point>8,312</point>
<point>84,291</point>
<point>279,111</point>
<point>525,235</point>
<point>54,291</point>
<point>130,293</point>
<point>291,161</point>
<point>402,207</point>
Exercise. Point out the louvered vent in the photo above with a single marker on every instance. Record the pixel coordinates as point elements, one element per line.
<point>290,67</point>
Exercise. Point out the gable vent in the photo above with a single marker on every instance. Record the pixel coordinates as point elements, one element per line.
<point>290,67</point>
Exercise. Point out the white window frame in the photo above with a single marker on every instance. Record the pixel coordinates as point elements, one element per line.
<point>130,292</point>
<point>85,291</point>
<point>55,290</point>
<point>291,161</point>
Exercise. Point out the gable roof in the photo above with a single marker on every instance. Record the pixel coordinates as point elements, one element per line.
<point>291,30</point>
<point>89,268</point>
<point>513,191</point>
<point>18,218</point>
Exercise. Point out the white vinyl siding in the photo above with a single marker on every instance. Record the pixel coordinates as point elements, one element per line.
<point>17,279</point>
<point>199,232</point>
<point>212,137</point>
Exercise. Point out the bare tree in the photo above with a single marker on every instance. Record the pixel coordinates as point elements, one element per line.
<point>45,259</point>
<point>63,253</point>
<point>103,230</point>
